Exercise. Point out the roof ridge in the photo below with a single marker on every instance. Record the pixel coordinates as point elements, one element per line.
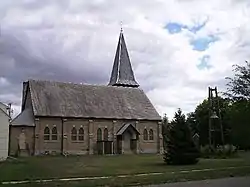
<point>81,84</point>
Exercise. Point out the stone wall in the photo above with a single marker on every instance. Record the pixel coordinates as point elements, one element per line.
<point>88,145</point>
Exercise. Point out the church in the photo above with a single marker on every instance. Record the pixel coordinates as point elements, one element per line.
<point>78,119</point>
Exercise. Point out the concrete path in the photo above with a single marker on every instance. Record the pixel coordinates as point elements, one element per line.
<point>226,182</point>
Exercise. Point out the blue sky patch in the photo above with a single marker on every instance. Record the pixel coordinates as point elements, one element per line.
<point>174,27</point>
<point>204,63</point>
<point>198,44</point>
<point>201,44</point>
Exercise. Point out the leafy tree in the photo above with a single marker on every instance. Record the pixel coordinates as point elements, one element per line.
<point>238,87</point>
<point>239,121</point>
<point>179,145</point>
<point>238,91</point>
<point>235,120</point>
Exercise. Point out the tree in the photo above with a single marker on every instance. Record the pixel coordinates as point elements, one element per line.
<point>235,120</point>
<point>192,123</point>
<point>239,121</point>
<point>238,87</point>
<point>179,146</point>
<point>238,91</point>
<point>164,129</point>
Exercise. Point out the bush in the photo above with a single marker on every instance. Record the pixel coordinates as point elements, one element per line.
<point>226,151</point>
<point>206,151</point>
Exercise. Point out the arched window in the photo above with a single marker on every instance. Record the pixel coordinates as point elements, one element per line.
<point>106,134</point>
<point>151,134</point>
<point>99,134</point>
<point>145,134</point>
<point>73,134</point>
<point>81,134</point>
<point>46,133</point>
<point>54,133</point>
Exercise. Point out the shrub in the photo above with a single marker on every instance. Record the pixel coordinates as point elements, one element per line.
<point>226,151</point>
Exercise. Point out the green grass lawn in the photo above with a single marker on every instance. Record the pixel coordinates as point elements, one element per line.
<point>64,167</point>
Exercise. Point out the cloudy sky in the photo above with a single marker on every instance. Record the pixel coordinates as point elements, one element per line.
<point>177,47</point>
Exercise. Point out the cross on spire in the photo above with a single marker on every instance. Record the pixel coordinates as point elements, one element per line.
<point>121,27</point>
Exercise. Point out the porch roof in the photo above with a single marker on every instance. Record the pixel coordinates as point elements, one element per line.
<point>125,127</point>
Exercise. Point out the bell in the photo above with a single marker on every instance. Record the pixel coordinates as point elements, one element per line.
<point>214,116</point>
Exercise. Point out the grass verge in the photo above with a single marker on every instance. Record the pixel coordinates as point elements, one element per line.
<point>145,180</point>
<point>36,168</point>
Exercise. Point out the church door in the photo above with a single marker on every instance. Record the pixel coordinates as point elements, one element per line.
<point>99,147</point>
<point>119,144</point>
<point>133,145</point>
<point>107,147</point>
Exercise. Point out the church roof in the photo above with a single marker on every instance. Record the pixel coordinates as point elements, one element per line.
<point>122,73</point>
<point>24,118</point>
<point>90,101</point>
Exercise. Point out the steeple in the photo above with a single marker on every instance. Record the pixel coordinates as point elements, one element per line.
<point>122,72</point>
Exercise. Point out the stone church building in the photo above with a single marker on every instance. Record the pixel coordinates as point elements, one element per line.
<point>68,118</point>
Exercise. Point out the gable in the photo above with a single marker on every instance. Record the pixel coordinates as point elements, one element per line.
<point>125,127</point>
<point>90,101</point>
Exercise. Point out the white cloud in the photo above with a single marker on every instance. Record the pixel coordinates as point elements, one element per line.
<point>81,36</point>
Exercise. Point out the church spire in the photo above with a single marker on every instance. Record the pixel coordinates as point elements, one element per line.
<point>122,73</point>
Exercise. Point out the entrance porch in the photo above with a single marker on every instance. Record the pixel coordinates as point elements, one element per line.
<point>125,141</point>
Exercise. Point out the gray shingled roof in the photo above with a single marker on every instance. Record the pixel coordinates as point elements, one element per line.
<point>90,101</point>
<point>24,118</point>
<point>122,73</point>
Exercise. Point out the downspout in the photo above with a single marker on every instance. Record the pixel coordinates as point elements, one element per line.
<point>158,137</point>
<point>62,136</point>
<point>34,141</point>
<point>9,120</point>
<point>88,138</point>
